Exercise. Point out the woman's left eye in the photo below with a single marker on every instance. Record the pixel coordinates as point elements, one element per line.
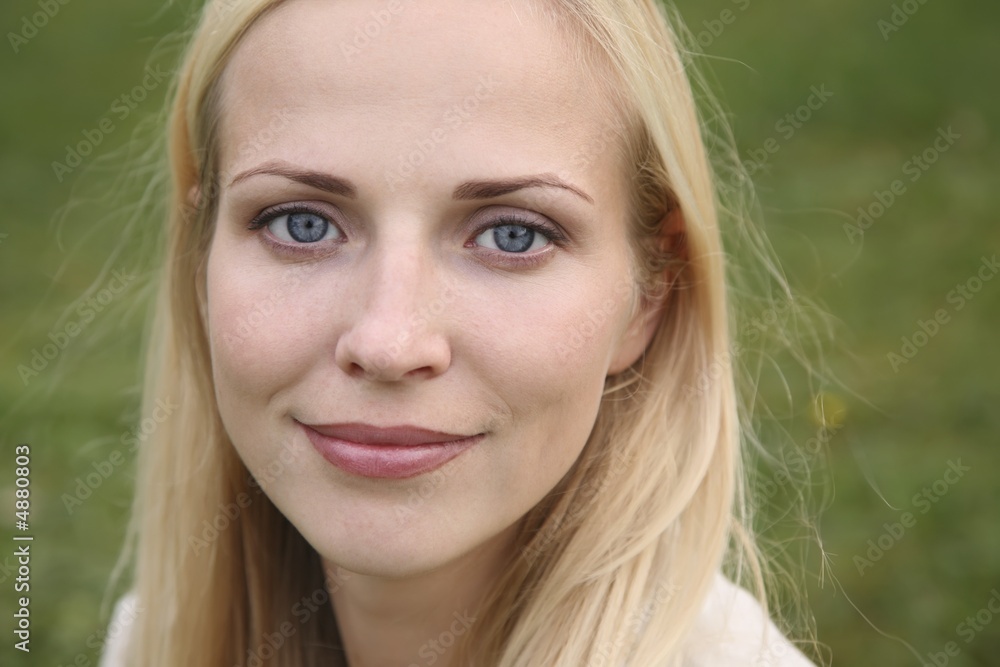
<point>302,227</point>
<point>512,238</point>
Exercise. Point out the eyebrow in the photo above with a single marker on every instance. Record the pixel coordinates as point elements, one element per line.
<point>495,188</point>
<point>314,179</point>
<point>479,189</point>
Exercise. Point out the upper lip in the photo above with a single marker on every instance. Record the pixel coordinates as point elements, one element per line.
<point>385,435</point>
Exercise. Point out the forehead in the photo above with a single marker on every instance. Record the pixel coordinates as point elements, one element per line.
<point>483,84</point>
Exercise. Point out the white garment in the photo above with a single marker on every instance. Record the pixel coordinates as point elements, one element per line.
<point>731,631</point>
<point>119,630</point>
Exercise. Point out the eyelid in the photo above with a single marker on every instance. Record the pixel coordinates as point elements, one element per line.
<point>268,215</point>
<point>534,221</point>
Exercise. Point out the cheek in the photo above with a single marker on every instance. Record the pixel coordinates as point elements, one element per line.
<point>253,325</point>
<point>565,336</point>
<point>548,358</point>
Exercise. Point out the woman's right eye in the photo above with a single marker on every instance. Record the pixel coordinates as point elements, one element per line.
<point>302,227</point>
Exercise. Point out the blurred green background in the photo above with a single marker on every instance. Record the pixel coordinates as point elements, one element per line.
<point>887,94</point>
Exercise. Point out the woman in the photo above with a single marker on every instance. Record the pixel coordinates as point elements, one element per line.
<point>444,309</point>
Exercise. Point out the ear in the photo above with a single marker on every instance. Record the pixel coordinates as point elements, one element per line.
<point>647,319</point>
<point>640,331</point>
<point>194,196</point>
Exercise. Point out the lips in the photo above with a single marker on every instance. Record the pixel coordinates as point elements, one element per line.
<point>395,452</point>
<point>382,435</point>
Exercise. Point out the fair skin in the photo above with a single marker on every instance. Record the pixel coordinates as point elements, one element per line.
<point>407,308</point>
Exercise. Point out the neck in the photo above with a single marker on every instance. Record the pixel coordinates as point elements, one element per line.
<point>416,620</point>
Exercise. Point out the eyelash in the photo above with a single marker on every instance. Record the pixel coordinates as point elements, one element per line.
<point>555,235</point>
<point>266,217</point>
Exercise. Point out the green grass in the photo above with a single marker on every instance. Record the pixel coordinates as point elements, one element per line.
<point>890,98</point>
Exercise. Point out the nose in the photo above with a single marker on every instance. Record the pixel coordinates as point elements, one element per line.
<point>394,332</point>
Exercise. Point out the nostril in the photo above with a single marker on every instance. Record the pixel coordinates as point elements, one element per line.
<point>367,374</point>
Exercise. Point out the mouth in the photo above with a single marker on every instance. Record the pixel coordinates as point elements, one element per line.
<point>395,452</point>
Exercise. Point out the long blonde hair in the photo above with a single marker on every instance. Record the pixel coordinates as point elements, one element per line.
<point>612,566</point>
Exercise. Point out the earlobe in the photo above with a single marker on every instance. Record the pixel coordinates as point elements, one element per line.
<point>194,197</point>
<point>647,320</point>
<point>639,333</point>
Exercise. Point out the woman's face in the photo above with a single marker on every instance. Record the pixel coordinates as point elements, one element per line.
<point>422,222</point>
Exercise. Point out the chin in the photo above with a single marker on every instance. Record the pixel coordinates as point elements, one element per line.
<point>392,558</point>
<point>370,535</point>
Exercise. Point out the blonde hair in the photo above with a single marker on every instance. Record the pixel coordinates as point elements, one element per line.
<point>613,565</point>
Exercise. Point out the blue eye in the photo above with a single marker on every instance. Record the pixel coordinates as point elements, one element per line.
<point>302,227</point>
<point>513,238</point>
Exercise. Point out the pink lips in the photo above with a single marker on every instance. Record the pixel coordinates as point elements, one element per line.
<point>395,452</point>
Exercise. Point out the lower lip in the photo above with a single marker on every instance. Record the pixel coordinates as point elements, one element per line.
<point>387,461</point>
